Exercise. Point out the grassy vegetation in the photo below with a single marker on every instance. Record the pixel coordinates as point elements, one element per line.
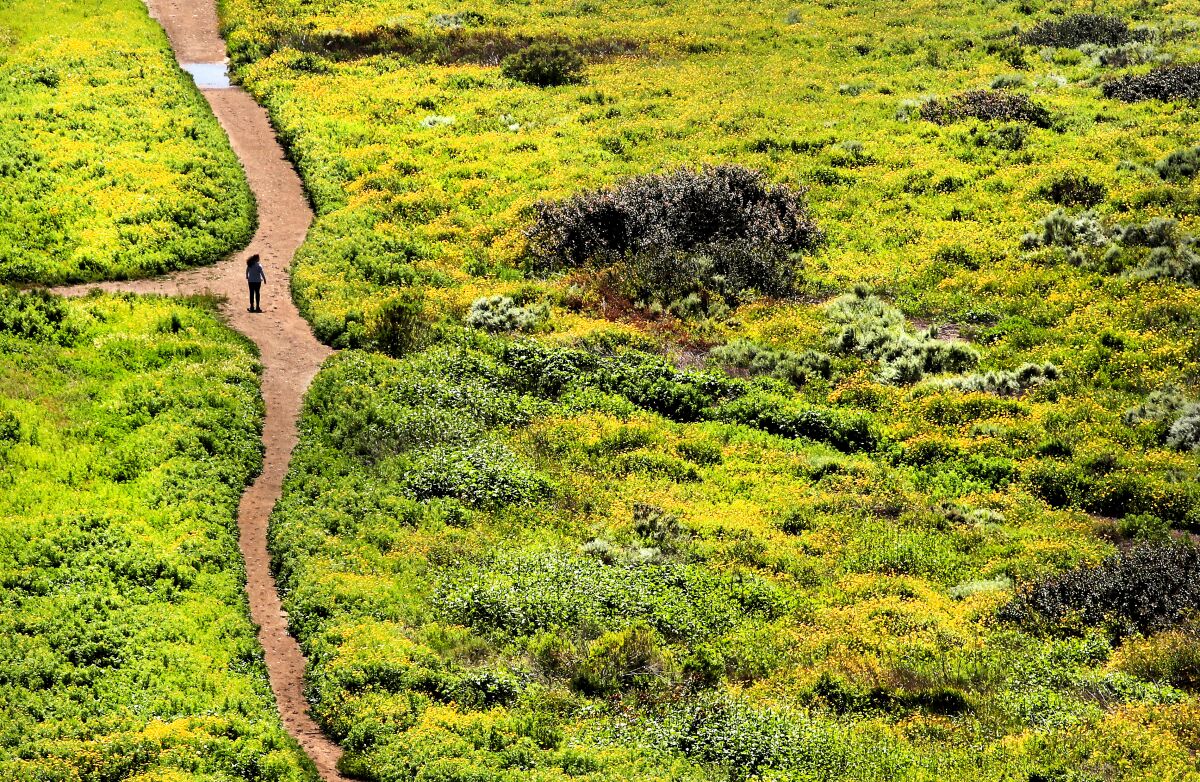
<point>621,509</point>
<point>111,163</point>
<point>128,428</point>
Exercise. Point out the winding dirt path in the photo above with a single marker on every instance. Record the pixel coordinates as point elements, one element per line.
<point>291,355</point>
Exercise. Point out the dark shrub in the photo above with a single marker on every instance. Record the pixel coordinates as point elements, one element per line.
<point>724,223</point>
<point>1148,588</point>
<point>544,65</point>
<point>1073,189</point>
<point>398,327</point>
<point>1170,82</point>
<point>1078,29</point>
<point>1002,105</point>
<point>1180,164</point>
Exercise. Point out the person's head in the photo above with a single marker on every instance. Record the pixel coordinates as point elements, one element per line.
<point>253,259</point>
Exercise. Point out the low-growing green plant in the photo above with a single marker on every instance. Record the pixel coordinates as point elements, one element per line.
<point>124,448</point>
<point>795,368</point>
<point>501,313</point>
<point>544,64</point>
<point>866,326</point>
<point>1005,383</point>
<point>111,163</point>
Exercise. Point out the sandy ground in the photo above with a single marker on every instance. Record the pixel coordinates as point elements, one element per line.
<point>290,353</point>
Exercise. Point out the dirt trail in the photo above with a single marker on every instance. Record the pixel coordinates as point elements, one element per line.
<point>290,353</point>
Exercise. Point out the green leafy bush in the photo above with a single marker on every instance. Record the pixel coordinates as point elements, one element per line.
<point>501,313</point>
<point>628,659</point>
<point>866,326</point>
<point>1073,189</point>
<point>546,591</point>
<point>1005,383</point>
<point>544,65</point>
<point>795,368</point>
<point>485,475</point>
<point>398,326</point>
<point>1182,164</point>
<point>36,316</point>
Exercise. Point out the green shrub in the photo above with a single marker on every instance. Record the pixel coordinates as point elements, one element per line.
<point>866,326</point>
<point>1073,189</point>
<point>1151,587</point>
<point>36,315</point>
<point>657,527</point>
<point>544,65</point>
<point>629,659</point>
<point>1005,383</point>
<point>501,313</point>
<point>398,327</point>
<point>1182,164</point>
<point>485,475</point>
<point>795,368</point>
<point>537,591</point>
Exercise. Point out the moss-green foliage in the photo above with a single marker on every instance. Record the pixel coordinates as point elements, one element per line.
<point>128,428</point>
<point>111,163</point>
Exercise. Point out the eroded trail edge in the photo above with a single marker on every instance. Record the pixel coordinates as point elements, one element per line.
<point>291,355</point>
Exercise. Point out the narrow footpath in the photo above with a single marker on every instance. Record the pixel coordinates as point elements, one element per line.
<point>291,354</point>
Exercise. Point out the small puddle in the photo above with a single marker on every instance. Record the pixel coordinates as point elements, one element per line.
<point>208,75</point>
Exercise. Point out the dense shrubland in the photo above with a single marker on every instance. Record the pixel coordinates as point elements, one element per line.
<point>708,513</point>
<point>111,163</point>
<point>128,429</point>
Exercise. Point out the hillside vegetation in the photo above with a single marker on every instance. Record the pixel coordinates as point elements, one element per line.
<point>761,391</point>
<point>111,164</point>
<point>128,428</point>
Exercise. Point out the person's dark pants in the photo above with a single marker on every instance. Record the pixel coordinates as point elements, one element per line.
<point>255,300</point>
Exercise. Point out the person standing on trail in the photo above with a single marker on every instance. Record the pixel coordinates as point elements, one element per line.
<point>255,276</point>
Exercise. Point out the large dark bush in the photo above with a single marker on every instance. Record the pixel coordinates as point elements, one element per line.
<point>544,65</point>
<point>1001,105</point>
<point>1170,82</point>
<point>1148,588</point>
<point>1078,29</point>
<point>723,225</point>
